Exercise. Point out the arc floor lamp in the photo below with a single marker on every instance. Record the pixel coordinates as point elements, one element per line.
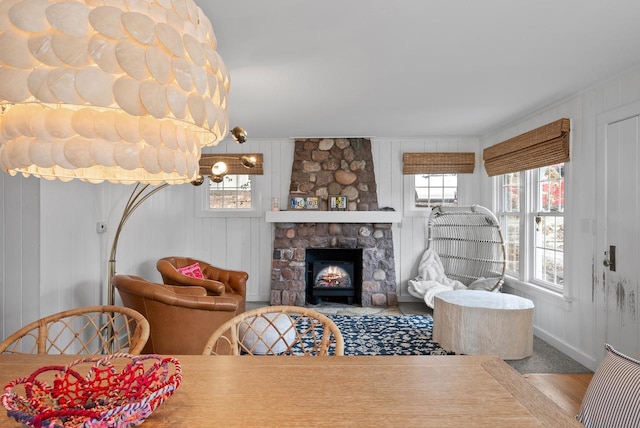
<point>125,92</point>
<point>141,193</point>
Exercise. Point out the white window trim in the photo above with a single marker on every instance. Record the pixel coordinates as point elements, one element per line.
<point>524,281</point>
<point>410,210</point>
<point>528,288</point>
<point>203,210</point>
<point>530,215</point>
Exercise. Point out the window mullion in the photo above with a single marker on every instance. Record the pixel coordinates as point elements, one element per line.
<point>528,234</point>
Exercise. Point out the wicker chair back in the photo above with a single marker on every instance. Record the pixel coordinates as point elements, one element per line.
<point>277,330</point>
<point>89,330</point>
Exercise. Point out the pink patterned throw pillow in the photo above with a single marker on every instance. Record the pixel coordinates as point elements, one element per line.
<point>193,271</point>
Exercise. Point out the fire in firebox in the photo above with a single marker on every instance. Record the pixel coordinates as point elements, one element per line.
<point>333,276</point>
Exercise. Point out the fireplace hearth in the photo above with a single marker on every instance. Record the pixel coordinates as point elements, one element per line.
<point>333,275</point>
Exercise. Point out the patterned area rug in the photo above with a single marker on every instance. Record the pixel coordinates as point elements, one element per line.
<point>388,335</point>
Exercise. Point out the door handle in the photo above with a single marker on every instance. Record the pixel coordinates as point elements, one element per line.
<point>610,262</point>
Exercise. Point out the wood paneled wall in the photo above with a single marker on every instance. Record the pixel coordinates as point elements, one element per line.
<point>19,253</point>
<point>570,323</point>
<point>53,258</point>
<point>74,256</point>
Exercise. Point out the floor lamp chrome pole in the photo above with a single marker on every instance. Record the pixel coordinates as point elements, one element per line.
<point>141,193</point>
<point>138,196</point>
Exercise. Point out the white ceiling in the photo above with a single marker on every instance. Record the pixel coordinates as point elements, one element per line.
<point>413,68</point>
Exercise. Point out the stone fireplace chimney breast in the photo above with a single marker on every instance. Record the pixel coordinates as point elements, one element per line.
<point>334,167</point>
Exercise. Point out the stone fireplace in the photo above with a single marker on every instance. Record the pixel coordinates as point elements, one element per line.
<point>323,168</point>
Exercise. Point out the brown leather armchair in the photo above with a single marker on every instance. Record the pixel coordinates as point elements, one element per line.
<point>217,281</point>
<point>181,318</point>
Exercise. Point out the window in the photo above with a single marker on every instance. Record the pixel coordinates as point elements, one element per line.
<point>549,221</point>
<point>510,219</point>
<point>435,189</point>
<point>432,179</point>
<point>238,192</point>
<point>531,213</point>
<point>233,192</point>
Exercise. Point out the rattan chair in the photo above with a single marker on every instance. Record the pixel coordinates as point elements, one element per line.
<point>470,244</point>
<point>277,330</point>
<point>90,330</point>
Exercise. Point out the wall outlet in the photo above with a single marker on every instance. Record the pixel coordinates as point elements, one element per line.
<point>101,227</point>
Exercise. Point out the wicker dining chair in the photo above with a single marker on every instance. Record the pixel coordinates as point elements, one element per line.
<point>277,330</point>
<point>90,330</point>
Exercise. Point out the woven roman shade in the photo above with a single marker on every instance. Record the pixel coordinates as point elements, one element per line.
<point>233,162</point>
<point>438,163</point>
<point>543,146</point>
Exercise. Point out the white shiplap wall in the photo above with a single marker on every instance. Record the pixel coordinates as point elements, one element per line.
<point>53,259</point>
<point>19,253</point>
<point>74,256</point>
<point>409,236</point>
<point>569,323</point>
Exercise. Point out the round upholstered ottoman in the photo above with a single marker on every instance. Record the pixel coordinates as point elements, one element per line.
<point>267,334</point>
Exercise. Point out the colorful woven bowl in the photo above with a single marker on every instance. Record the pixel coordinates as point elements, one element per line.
<point>118,390</point>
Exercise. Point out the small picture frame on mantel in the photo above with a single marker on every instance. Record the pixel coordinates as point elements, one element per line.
<point>337,203</point>
<point>312,203</point>
<point>297,202</point>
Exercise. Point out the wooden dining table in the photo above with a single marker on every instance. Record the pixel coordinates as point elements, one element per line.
<point>353,391</point>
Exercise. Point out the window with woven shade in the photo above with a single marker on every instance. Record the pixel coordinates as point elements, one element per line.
<point>235,188</point>
<point>234,163</point>
<point>543,146</point>
<point>529,174</point>
<point>435,177</point>
<point>438,163</point>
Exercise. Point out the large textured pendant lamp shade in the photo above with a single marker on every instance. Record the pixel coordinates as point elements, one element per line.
<point>117,90</point>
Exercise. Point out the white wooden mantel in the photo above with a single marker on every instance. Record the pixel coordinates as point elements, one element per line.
<point>333,216</point>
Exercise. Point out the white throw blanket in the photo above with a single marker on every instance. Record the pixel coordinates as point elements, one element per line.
<point>431,279</point>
